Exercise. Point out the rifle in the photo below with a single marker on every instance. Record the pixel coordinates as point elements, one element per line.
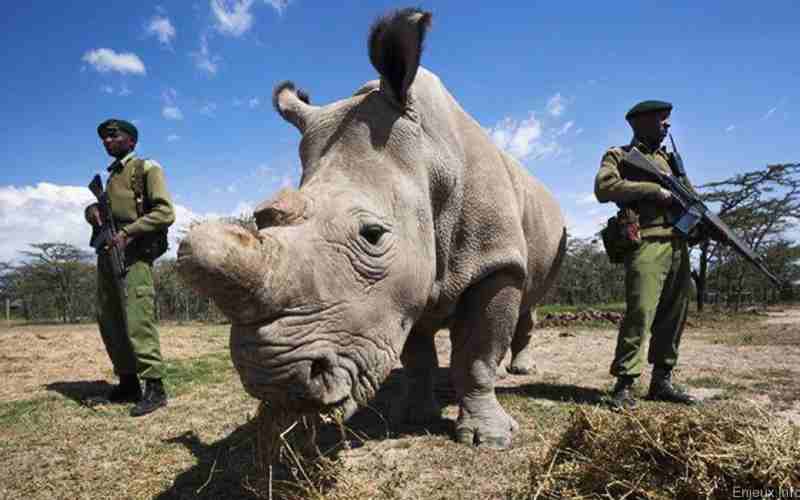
<point>693,213</point>
<point>101,241</point>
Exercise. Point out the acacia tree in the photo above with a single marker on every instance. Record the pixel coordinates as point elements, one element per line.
<point>60,274</point>
<point>586,276</point>
<point>761,206</point>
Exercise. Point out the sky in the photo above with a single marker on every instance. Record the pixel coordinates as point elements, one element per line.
<point>549,81</point>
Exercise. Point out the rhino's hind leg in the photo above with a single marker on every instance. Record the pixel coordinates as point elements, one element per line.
<point>420,361</point>
<point>480,337</point>
<point>521,347</point>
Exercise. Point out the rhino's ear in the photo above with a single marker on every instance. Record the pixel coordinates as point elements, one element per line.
<point>293,105</point>
<point>395,46</point>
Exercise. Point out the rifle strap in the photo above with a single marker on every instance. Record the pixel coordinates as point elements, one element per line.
<point>139,187</point>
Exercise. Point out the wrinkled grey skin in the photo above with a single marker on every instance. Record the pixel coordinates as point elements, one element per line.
<point>408,219</point>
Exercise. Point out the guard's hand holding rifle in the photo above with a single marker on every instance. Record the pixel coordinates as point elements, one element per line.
<point>106,239</point>
<point>92,215</point>
<point>663,198</point>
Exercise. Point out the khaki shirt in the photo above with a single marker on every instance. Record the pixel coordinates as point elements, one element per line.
<point>161,213</point>
<point>614,183</point>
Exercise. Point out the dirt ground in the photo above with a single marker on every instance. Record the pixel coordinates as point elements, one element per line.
<point>201,445</point>
<point>32,356</point>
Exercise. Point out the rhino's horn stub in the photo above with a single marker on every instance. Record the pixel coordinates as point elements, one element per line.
<point>293,104</point>
<point>395,47</point>
<point>288,207</point>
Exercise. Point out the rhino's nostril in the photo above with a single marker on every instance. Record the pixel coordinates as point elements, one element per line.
<point>318,367</point>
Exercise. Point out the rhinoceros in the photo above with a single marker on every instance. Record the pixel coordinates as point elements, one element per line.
<point>407,220</point>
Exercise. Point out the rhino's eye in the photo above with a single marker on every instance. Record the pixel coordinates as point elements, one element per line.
<point>372,233</point>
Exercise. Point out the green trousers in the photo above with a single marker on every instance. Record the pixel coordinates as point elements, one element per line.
<point>657,289</point>
<point>142,355</point>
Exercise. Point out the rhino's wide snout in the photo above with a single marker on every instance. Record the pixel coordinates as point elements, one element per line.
<point>319,381</point>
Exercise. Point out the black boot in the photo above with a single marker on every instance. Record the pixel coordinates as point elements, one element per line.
<point>661,388</point>
<point>622,397</point>
<point>127,391</point>
<point>154,398</point>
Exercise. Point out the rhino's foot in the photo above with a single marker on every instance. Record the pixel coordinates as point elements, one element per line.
<point>485,425</point>
<point>522,364</point>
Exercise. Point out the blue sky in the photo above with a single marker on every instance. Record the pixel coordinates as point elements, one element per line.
<point>550,81</point>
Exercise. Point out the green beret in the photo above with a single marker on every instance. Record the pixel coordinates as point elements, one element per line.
<point>648,107</point>
<point>123,125</point>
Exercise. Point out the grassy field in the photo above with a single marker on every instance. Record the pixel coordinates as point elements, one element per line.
<point>203,445</point>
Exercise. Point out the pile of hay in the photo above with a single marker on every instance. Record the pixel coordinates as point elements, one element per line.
<point>666,452</point>
<point>287,454</point>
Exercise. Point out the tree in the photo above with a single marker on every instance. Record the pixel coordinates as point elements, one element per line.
<point>761,206</point>
<point>56,274</point>
<point>586,275</point>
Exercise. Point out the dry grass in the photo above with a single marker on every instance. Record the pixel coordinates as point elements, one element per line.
<point>665,453</point>
<point>31,356</point>
<point>209,441</point>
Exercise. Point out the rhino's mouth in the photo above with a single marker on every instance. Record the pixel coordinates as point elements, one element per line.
<point>298,369</point>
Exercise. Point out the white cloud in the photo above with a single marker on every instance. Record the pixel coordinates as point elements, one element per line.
<point>769,113</point>
<point>123,90</point>
<point>172,113</point>
<point>44,213</point>
<point>730,128</point>
<point>49,213</point>
<point>585,198</point>
<point>162,28</point>
<point>523,139</point>
<point>204,60</point>
<point>279,5</point>
<point>173,138</point>
<point>233,17</point>
<point>106,60</point>
<point>243,208</point>
<point>565,128</point>
<point>556,105</point>
<point>581,226</point>
<point>254,102</point>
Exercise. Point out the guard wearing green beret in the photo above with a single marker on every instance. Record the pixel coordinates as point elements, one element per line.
<point>142,207</point>
<point>657,272</point>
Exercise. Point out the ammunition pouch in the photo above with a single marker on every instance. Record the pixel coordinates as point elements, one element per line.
<point>621,235</point>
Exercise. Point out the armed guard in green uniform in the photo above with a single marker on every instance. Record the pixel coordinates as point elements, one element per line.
<point>657,271</point>
<point>142,210</point>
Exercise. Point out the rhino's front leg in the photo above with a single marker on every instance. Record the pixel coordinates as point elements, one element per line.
<point>481,335</point>
<point>420,361</point>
